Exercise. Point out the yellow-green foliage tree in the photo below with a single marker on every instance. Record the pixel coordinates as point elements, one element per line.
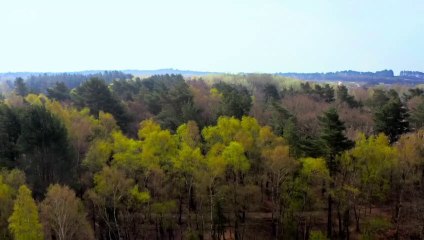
<point>370,166</point>
<point>313,173</point>
<point>375,158</point>
<point>9,184</point>
<point>159,146</point>
<point>24,222</point>
<point>210,174</point>
<point>110,195</point>
<point>409,178</point>
<point>127,154</point>
<point>5,202</point>
<point>233,148</point>
<point>279,170</point>
<point>188,161</point>
<point>148,158</point>
<point>238,166</point>
<point>229,129</point>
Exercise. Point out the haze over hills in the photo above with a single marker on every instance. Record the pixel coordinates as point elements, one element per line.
<point>384,76</point>
<point>372,78</point>
<point>134,72</point>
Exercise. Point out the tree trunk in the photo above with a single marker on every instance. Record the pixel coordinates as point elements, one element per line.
<point>346,223</point>
<point>330,201</point>
<point>180,209</point>
<point>329,217</point>
<point>399,207</point>
<point>339,217</point>
<point>357,216</point>
<point>211,212</point>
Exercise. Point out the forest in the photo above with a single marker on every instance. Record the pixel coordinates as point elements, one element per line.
<point>246,156</point>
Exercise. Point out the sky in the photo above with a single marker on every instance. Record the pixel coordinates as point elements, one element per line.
<point>212,35</point>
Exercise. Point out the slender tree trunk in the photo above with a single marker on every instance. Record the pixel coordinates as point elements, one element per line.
<point>330,201</point>
<point>273,217</point>
<point>157,230</point>
<point>346,223</point>
<point>115,219</point>
<point>339,216</point>
<point>189,204</point>
<point>278,204</point>
<point>329,217</point>
<point>93,218</point>
<point>399,207</point>
<point>211,212</point>
<point>180,209</point>
<point>357,216</point>
<point>236,213</point>
<point>422,180</point>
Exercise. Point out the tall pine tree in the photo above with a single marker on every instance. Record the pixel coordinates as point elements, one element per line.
<point>47,155</point>
<point>417,116</point>
<point>9,133</point>
<point>20,87</point>
<point>96,95</point>
<point>59,92</point>
<point>392,118</point>
<point>334,143</point>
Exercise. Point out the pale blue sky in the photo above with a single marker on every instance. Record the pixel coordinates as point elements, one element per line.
<point>214,35</point>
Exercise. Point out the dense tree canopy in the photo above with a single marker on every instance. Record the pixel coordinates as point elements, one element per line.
<point>170,99</point>
<point>392,117</point>
<point>20,87</point>
<point>417,115</point>
<point>223,156</point>
<point>10,130</point>
<point>48,157</point>
<point>236,101</point>
<point>59,92</point>
<point>343,96</point>
<point>96,96</point>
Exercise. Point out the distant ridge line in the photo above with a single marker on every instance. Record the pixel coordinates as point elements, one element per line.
<point>384,76</point>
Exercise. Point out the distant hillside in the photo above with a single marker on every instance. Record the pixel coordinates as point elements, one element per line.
<point>26,75</point>
<point>167,71</point>
<point>371,78</point>
<point>39,82</point>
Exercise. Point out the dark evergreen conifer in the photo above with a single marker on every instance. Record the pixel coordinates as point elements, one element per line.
<point>334,142</point>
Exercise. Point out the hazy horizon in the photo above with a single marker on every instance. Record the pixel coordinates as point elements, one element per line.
<point>191,70</point>
<point>214,36</point>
